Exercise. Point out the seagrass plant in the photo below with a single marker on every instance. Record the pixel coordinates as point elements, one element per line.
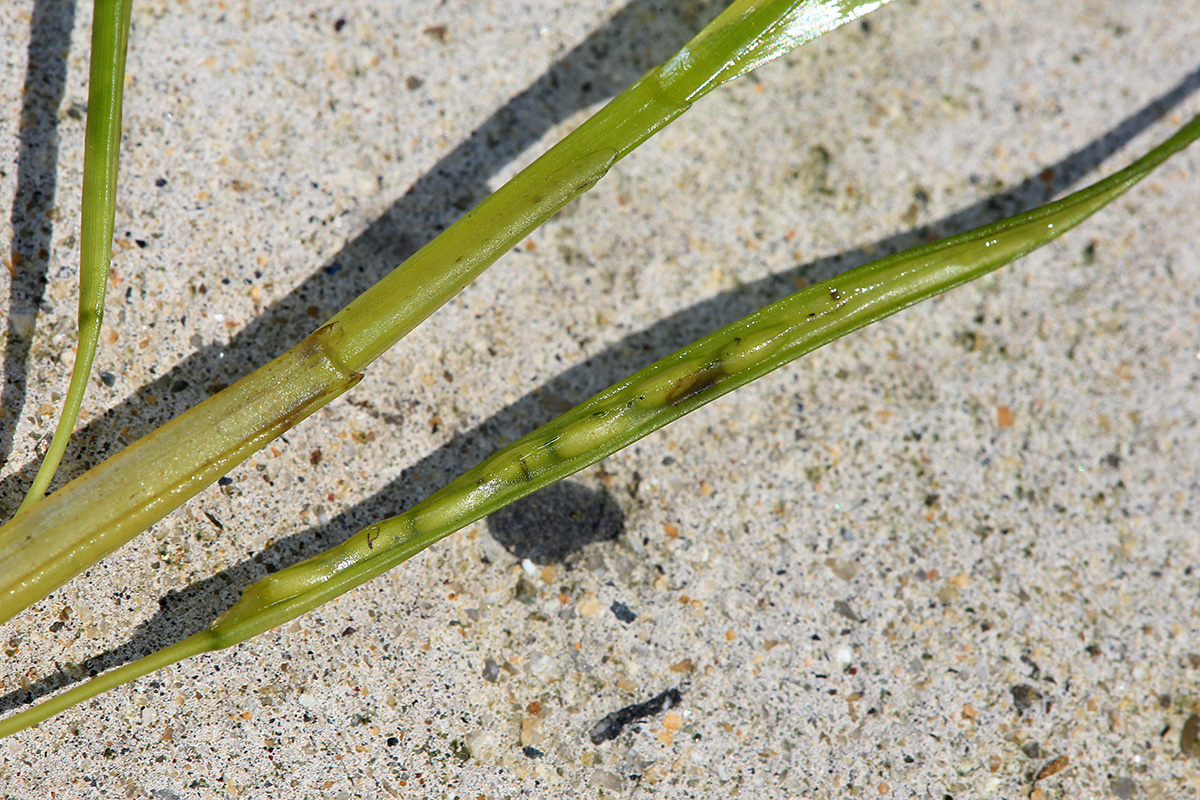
<point>53,539</point>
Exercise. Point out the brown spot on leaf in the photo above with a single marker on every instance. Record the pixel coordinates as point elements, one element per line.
<point>695,384</point>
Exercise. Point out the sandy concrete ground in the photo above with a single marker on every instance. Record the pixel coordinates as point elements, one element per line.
<point>940,558</point>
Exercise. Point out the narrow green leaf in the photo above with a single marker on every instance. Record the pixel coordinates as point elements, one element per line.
<point>48,543</point>
<point>631,409</point>
<point>102,146</point>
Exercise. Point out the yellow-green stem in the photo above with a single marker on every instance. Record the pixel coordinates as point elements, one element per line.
<point>48,543</point>
<point>629,410</point>
<point>102,147</point>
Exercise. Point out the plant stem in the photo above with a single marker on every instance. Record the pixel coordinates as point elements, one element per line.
<point>745,36</point>
<point>46,544</point>
<point>631,409</point>
<point>102,147</point>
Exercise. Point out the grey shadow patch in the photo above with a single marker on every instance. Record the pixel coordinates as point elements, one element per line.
<point>31,219</point>
<point>559,520</point>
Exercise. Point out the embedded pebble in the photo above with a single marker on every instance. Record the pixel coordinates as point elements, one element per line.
<point>1024,696</point>
<point>622,612</point>
<point>1189,737</point>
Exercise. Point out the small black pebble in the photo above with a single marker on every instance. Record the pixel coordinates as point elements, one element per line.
<point>623,612</point>
<point>610,727</point>
<point>337,26</point>
<point>224,480</point>
<point>160,182</point>
<point>1032,750</point>
<point>392,741</point>
<point>532,752</point>
<point>107,378</point>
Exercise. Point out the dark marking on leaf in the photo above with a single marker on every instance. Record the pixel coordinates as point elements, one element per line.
<point>695,384</point>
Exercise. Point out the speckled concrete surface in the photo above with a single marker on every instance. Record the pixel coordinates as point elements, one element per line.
<point>951,554</point>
